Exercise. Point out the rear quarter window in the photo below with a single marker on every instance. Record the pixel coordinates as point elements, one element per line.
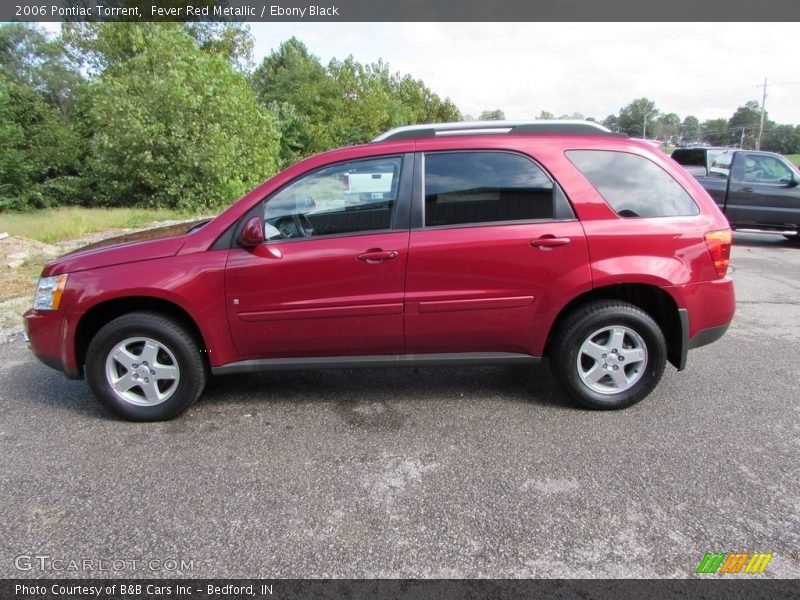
<point>633,185</point>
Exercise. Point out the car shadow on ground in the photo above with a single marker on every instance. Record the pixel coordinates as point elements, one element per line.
<point>491,383</point>
<point>516,384</point>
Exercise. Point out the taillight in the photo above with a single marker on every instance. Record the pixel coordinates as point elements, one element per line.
<point>719,246</point>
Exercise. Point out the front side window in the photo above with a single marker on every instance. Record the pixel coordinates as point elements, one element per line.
<point>765,169</point>
<point>350,197</point>
<point>485,187</point>
<point>633,185</point>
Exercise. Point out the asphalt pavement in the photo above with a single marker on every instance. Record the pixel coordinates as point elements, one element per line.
<point>447,473</point>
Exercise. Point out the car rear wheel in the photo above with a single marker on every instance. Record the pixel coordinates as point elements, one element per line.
<point>145,367</point>
<point>608,354</point>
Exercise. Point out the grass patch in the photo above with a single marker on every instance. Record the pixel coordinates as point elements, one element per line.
<point>794,158</point>
<point>59,224</point>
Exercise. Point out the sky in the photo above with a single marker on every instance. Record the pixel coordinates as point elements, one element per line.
<point>701,69</point>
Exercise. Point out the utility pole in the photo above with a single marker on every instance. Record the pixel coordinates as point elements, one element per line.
<point>761,127</point>
<point>741,141</point>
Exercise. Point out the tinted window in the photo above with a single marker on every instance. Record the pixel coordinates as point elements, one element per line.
<point>484,187</point>
<point>343,198</point>
<point>632,185</point>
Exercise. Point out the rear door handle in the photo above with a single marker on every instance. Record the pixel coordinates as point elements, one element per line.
<point>746,189</point>
<point>374,256</point>
<point>549,241</point>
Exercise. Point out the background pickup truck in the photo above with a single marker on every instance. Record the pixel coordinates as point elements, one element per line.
<point>757,191</point>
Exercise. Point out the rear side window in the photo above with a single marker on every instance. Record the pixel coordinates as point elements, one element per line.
<point>633,185</point>
<point>485,187</point>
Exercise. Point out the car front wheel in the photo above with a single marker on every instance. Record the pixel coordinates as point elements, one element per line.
<point>608,354</point>
<point>145,367</point>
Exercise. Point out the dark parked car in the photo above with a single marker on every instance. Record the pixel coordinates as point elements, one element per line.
<point>455,244</point>
<point>757,191</point>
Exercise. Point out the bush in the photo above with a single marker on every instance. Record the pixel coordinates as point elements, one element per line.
<point>176,127</point>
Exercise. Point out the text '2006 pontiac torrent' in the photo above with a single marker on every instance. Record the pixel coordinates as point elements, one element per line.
<point>482,243</point>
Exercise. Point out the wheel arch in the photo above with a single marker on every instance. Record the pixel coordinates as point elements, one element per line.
<point>104,312</point>
<point>656,302</point>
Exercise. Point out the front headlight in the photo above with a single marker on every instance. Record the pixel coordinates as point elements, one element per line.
<point>49,291</point>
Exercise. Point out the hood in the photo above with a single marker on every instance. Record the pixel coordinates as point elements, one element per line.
<point>130,247</point>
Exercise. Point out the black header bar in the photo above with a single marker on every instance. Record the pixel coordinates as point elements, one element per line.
<point>710,11</point>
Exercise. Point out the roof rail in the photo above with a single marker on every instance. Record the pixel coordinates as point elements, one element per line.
<point>542,127</point>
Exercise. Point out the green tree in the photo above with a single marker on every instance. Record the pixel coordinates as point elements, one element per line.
<point>784,139</point>
<point>611,122</point>
<point>669,127</point>
<point>492,115</point>
<point>716,132</point>
<point>746,120</point>
<point>638,119</point>
<point>29,57</point>
<point>294,76</point>
<point>40,154</point>
<point>546,115</point>
<point>364,106</point>
<point>690,130</point>
<point>176,126</point>
<point>416,103</point>
<point>100,46</point>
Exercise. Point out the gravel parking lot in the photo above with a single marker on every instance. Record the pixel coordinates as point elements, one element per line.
<point>469,472</point>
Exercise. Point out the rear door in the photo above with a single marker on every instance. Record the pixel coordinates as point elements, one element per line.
<point>329,279</point>
<point>493,243</point>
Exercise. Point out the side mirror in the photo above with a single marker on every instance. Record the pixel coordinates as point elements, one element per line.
<point>252,234</point>
<point>793,182</point>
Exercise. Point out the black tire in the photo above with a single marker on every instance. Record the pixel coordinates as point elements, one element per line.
<point>595,322</point>
<point>179,371</point>
<point>793,238</point>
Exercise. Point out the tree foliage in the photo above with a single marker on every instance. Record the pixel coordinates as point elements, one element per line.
<point>690,130</point>
<point>492,115</point>
<point>782,138</point>
<point>638,118</point>
<point>342,103</point>
<point>744,124</point>
<point>175,126</point>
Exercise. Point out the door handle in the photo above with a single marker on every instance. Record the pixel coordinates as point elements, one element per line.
<point>550,241</point>
<point>746,189</point>
<point>375,256</point>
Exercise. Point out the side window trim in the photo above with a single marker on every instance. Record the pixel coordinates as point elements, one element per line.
<point>398,218</point>
<point>562,208</point>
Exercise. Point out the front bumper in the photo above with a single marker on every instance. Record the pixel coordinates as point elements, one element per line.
<point>47,333</point>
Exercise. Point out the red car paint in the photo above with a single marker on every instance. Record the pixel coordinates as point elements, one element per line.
<point>487,288</point>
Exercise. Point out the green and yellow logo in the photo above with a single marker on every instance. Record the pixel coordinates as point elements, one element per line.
<point>734,562</point>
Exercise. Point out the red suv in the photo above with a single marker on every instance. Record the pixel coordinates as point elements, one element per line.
<point>454,244</point>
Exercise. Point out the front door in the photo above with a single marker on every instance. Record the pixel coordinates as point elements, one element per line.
<point>329,278</point>
<point>766,195</point>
